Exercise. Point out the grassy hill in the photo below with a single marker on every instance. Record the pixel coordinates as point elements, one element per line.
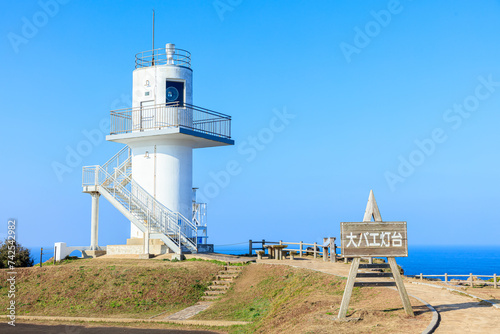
<point>275,299</point>
<point>125,288</point>
<point>282,299</point>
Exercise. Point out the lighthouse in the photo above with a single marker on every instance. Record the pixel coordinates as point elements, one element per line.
<point>150,180</point>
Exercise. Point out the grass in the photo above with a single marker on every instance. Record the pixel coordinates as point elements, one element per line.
<point>102,288</point>
<point>281,299</point>
<point>275,299</point>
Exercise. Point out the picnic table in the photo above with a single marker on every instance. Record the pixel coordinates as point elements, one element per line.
<point>275,251</point>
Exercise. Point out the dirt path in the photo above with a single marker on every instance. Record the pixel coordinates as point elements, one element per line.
<point>459,313</point>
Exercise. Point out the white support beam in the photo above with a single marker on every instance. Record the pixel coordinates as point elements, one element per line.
<point>94,221</point>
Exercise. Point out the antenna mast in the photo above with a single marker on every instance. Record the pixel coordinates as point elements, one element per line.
<point>153,38</point>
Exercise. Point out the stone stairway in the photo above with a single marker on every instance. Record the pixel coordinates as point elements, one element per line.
<point>222,282</point>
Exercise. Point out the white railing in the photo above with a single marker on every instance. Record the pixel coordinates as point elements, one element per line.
<point>162,116</point>
<point>450,278</point>
<point>200,214</point>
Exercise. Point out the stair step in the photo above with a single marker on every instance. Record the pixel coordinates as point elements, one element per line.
<point>237,268</point>
<point>227,275</point>
<point>218,287</point>
<point>226,283</point>
<point>214,293</point>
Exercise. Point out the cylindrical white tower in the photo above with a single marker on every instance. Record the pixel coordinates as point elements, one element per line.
<point>163,126</point>
<point>165,171</point>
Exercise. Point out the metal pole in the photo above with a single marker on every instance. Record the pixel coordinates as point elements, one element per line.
<point>250,247</point>
<point>153,51</point>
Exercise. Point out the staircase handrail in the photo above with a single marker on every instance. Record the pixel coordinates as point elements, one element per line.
<point>115,159</point>
<point>157,210</point>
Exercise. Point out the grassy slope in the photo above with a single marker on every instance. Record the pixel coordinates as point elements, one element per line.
<point>124,288</point>
<point>280,299</point>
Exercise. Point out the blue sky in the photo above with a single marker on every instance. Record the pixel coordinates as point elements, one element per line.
<point>398,97</point>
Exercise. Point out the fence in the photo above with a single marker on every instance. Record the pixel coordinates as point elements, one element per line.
<point>470,279</point>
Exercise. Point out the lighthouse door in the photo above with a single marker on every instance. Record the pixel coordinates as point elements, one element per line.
<point>147,115</point>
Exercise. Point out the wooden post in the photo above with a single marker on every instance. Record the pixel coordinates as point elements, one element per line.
<point>348,288</point>
<point>372,211</point>
<point>263,243</point>
<point>300,249</point>
<point>41,254</point>
<point>250,247</point>
<point>421,277</point>
<point>471,280</point>
<point>335,246</point>
<point>54,257</point>
<point>401,286</point>
<point>445,277</point>
<point>325,254</point>
<point>281,242</point>
<point>315,255</point>
<point>495,281</point>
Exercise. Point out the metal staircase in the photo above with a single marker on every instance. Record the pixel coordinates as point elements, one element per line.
<point>113,181</point>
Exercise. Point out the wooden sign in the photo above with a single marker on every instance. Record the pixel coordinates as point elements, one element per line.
<point>369,239</point>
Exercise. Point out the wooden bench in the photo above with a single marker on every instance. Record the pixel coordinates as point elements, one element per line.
<point>291,253</point>
<point>259,254</point>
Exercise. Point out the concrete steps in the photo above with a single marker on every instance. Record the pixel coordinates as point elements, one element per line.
<point>222,283</point>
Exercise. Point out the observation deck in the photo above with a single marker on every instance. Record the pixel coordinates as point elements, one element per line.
<point>207,127</point>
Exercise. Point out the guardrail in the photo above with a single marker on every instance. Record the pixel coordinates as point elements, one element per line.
<point>160,116</point>
<point>470,279</point>
<point>163,56</point>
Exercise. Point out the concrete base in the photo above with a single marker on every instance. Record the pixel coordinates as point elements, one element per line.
<point>145,256</point>
<point>137,249</point>
<point>140,241</point>
<point>178,257</point>
<point>93,253</point>
<point>205,248</point>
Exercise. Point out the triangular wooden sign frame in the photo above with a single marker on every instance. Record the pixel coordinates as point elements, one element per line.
<point>372,211</point>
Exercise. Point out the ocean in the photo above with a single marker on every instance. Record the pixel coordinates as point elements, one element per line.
<point>429,260</point>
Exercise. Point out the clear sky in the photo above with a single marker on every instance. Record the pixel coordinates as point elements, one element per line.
<point>398,97</point>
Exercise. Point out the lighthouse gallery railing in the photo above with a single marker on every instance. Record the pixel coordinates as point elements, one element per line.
<point>162,116</point>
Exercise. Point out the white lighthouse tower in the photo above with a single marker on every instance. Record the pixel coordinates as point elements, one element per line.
<point>150,179</point>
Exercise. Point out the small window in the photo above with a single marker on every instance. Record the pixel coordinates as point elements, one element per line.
<point>146,94</point>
